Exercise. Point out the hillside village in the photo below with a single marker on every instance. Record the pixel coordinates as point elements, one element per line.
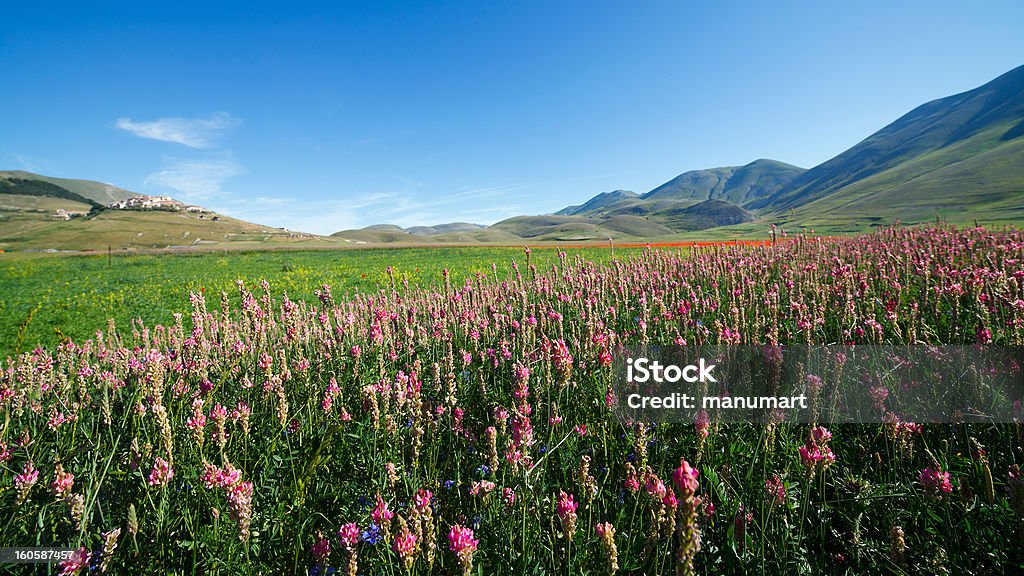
<point>155,203</point>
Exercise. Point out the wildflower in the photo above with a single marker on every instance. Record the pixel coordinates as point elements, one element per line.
<point>348,535</point>
<point>701,423</point>
<point>76,507</point>
<point>219,415</point>
<point>62,482</point>
<point>422,498</point>
<point>743,519</point>
<point>198,421</point>
<point>491,433</point>
<point>815,457</point>
<point>392,472</point>
<point>321,550</point>
<point>371,535</point>
<point>77,563</point>
<point>24,482</point>
<point>585,479</point>
<point>521,375</point>
<point>566,512</point>
<point>109,546</point>
<point>686,526</point>
<point>562,360</point>
<point>405,544</point>
<point>632,481</point>
<point>240,503</point>
<point>654,486</point>
<point>878,395</point>
<point>508,496</point>
<point>934,481</point>
<point>461,541</point>
<point>381,514</point>
<point>897,544</point>
<point>606,533</point>
<point>775,490</point>
<point>685,478</point>
<point>821,435</point>
<point>481,488</point>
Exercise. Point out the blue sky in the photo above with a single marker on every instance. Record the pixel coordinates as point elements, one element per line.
<point>340,115</point>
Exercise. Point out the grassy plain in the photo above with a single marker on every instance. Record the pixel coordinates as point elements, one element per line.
<point>76,294</point>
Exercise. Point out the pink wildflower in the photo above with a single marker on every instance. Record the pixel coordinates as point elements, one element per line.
<point>348,535</point>
<point>685,479</point>
<point>24,482</point>
<point>935,482</point>
<point>62,482</point>
<point>161,473</point>
<point>381,515</point>
<point>461,541</point>
<point>566,512</point>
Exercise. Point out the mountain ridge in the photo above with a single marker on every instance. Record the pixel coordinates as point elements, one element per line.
<point>99,192</point>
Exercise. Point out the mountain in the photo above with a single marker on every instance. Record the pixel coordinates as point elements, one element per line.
<point>735,184</point>
<point>962,152</point>
<point>104,194</point>
<point>13,186</point>
<point>695,184</point>
<point>960,158</point>
<point>597,203</point>
<point>694,200</point>
<point>580,228</point>
<point>443,228</point>
<point>454,232</point>
<point>707,214</point>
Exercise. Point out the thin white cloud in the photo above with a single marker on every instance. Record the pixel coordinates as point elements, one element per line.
<point>191,132</point>
<point>474,193</point>
<point>196,180</point>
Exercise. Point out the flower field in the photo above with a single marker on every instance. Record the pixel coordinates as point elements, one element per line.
<point>463,426</point>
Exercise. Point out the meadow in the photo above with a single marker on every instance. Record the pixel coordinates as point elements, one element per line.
<point>47,296</point>
<point>462,423</point>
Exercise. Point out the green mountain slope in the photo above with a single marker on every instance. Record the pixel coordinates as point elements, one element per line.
<point>96,191</point>
<point>981,178</point>
<point>598,203</point>
<point>897,160</point>
<point>42,188</point>
<point>736,184</point>
<point>693,185</point>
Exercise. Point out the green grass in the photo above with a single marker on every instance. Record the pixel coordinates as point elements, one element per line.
<point>75,295</point>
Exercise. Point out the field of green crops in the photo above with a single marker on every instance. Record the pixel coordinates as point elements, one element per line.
<point>46,296</point>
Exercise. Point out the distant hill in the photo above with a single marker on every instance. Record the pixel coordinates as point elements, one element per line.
<point>694,200</point>
<point>42,213</point>
<point>99,192</point>
<point>574,228</point>
<point>26,187</point>
<point>736,184</point>
<point>707,214</point>
<point>443,229</point>
<point>597,203</point>
<point>961,156</point>
<point>455,232</point>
